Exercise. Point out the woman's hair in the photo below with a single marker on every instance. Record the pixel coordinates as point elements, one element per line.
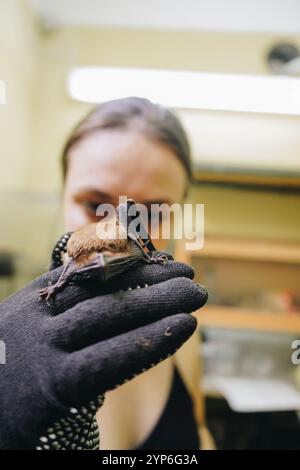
<point>154,121</point>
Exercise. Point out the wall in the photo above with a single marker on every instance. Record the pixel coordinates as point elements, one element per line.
<point>241,212</point>
<point>19,45</point>
<point>19,58</point>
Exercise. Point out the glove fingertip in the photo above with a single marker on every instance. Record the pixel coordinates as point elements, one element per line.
<point>185,324</point>
<point>182,269</point>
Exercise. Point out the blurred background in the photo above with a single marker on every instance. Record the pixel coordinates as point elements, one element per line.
<point>237,66</point>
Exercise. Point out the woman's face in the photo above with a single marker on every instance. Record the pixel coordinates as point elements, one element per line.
<point>110,163</point>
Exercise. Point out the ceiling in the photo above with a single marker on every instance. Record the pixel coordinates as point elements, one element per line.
<point>274,16</point>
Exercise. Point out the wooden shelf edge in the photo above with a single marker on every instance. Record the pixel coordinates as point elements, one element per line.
<point>236,318</point>
<point>249,250</point>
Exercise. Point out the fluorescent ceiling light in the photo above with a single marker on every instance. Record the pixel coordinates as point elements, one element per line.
<point>188,90</point>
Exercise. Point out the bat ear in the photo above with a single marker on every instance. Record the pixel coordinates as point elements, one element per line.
<point>58,251</point>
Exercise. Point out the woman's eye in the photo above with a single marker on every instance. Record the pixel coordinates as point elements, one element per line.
<point>91,207</point>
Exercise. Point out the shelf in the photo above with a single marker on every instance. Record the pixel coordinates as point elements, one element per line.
<point>242,319</point>
<point>248,178</point>
<point>250,250</point>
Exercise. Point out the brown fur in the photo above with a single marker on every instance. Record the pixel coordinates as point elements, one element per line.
<point>85,241</point>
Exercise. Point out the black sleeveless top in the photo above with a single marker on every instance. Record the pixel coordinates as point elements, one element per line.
<point>176,428</point>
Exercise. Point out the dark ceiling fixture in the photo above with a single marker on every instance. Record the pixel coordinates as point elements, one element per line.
<point>284,59</point>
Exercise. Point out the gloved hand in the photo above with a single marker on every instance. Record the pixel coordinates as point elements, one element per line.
<point>61,356</point>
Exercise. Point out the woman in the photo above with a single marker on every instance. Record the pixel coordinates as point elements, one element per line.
<point>59,358</point>
<point>139,149</point>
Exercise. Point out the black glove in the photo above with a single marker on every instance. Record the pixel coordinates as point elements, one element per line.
<point>61,356</point>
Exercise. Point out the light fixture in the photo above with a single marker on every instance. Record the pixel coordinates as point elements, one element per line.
<point>284,59</point>
<point>188,89</point>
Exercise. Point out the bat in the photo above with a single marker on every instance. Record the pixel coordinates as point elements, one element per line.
<point>86,256</point>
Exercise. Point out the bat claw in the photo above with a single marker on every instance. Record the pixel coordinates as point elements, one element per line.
<point>47,292</point>
<point>160,259</point>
